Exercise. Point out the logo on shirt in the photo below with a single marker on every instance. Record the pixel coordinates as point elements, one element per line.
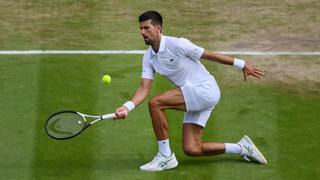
<point>171,60</point>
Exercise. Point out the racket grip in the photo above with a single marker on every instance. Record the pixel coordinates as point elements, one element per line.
<point>109,116</point>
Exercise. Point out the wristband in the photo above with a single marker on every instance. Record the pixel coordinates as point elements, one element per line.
<point>239,63</point>
<point>130,105</point>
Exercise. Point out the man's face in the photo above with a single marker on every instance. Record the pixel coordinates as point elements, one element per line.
<point>149,32</point>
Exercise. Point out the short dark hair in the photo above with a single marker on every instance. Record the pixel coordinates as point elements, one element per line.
<point>155,17</point>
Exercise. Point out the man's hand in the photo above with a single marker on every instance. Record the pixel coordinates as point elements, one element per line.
<point>249,70</point>
<point>121,112</point>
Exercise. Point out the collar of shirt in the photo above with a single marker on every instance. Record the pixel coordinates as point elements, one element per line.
<point>161,47</point>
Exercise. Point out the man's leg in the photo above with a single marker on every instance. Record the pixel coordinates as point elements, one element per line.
<point>194,146</point>
<point>172,99</point>
<point>164,159</point>
<point>192,133</point>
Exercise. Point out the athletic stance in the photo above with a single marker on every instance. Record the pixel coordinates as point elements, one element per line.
<point>196,94</point>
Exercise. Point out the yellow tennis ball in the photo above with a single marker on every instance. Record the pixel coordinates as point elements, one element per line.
<point>106,79</point>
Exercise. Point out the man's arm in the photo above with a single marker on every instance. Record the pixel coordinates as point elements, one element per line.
<point>247,68</point>
<point>138,97</point>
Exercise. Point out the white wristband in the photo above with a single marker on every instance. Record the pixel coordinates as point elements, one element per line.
<point>239,63</point>
<point>130,105</point>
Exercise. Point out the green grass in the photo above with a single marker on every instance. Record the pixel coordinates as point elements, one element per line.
<point>281,117</point>
<point>98,24</point>
<point>283,125</point>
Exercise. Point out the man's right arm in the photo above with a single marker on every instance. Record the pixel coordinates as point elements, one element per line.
<point>142,92</point>
<point>138,97</point>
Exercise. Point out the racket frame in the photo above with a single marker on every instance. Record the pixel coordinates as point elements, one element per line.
<point>87,124</point>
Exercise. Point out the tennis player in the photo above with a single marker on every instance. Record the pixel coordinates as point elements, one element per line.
<point>196,93</point>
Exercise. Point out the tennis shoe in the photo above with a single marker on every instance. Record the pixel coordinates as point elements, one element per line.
<point>250,152</point>
<point>160,162</point>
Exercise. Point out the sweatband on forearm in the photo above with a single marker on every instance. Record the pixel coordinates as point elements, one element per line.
<point>130,105</point>
<point>239,63</point>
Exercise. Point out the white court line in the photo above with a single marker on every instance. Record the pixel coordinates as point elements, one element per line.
<point>252,53</point>
<point>31,52</point>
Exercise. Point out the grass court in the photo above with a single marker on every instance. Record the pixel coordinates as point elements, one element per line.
<point>280,113</point>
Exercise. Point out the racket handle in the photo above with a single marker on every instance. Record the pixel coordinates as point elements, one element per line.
<point>109,116</point>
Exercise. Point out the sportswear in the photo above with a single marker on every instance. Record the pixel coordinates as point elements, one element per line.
<point>160,162</point>
<point>250,152</point>
<point>179,61</point>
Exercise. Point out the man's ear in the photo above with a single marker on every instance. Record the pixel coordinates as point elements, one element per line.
<point>158,26</point>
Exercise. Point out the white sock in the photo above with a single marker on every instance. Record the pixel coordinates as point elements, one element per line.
<point>164,147</point>
<point>232,148</point>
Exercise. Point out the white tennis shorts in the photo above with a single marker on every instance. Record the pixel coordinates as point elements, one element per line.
<point>200,99</point>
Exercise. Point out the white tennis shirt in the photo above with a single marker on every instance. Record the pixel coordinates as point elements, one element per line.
<point>178,59</point>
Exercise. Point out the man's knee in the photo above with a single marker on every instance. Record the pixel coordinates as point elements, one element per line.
<point>192,150</point>
<point>154,103</point>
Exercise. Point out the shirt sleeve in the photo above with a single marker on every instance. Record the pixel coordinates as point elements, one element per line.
<point>189,49</point>
<point>147,68</point>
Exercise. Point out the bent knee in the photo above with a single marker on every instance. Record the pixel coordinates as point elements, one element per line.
<point>190,150</point>
<point>154,103</point>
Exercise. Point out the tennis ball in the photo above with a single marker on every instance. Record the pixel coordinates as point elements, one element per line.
<point>106,79</point>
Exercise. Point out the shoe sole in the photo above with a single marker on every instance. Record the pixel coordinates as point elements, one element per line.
<point>259,153</point>
<point>154,170</point>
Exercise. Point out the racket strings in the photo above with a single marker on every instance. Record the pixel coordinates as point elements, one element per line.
<point>65,125</point>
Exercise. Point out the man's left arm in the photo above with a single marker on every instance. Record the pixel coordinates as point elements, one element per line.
<point>247,69</point>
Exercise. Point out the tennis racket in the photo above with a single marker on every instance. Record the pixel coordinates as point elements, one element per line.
<point>68,124</point>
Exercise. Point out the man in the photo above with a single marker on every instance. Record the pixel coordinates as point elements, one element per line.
<point>196,94</point>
